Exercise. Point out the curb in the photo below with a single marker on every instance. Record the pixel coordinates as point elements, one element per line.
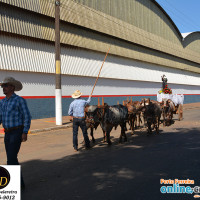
<point>190,108</point>
<point>49,129</point>
<point>45,129</point>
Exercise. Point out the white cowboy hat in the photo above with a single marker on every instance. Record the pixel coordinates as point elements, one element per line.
<point>17,84</point>
<point>76,94</point>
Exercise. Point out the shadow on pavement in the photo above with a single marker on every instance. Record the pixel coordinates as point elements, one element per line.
<point>131,170</point>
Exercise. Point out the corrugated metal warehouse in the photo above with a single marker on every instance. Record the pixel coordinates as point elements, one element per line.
<point>144,44</point>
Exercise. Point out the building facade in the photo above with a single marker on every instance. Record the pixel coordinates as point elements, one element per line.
<point>144,44</point>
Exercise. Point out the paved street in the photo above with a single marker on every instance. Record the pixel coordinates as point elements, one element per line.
<point>132,170</point>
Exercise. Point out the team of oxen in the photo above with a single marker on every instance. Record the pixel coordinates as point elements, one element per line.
<point>146,112</point>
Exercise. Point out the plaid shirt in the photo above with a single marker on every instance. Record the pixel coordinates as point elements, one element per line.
<point>14,112</point>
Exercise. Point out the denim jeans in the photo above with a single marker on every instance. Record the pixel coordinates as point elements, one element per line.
<point>12,141</point>
<point>76,124</point>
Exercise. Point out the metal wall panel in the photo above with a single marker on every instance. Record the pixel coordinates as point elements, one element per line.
<point>26,23</point>
<point>123,30</point>
<point>88,39</point>
<point>95,20</point>
<point>192,41</point>
<point>139,13</point>
<point>45,7</point>
<point>25,55</point>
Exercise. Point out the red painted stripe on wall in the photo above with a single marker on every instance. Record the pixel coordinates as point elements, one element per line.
<point>125,95</point>
<point>38,97</point>
<point>34,97</point>
<point>52,97</point>
<point>191,94</point>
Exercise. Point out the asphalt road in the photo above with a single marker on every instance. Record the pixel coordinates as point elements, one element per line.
<point>128,171</point>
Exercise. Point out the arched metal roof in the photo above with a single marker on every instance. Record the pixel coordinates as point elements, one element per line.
<point>165,13</point>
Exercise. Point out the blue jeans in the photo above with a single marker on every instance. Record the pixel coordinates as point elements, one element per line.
<point>12,141</point>
<point>76,123</point>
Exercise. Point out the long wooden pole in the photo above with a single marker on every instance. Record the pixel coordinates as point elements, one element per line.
<point>100,71</point>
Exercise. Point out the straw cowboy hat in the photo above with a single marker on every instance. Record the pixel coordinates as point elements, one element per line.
<point>10,80</point>
<point>76,94</point>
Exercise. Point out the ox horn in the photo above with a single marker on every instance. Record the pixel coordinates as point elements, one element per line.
<point>98,102</point>
<point>123,103</point>
<point>131,100</point>
<point>117,102</point>
<point>102,101</point>
<point>127,98</point>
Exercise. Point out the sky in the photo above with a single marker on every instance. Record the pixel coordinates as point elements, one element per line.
<point>184,13</point>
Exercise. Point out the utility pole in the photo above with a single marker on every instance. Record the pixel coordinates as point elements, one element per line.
<point>58,92</point>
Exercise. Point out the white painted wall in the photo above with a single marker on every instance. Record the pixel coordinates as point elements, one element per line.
<point>39,84</point>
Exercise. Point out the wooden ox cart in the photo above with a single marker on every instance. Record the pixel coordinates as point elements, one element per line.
<point>172,104</point>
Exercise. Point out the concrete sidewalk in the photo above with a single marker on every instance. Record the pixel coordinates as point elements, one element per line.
<point>47,124</point>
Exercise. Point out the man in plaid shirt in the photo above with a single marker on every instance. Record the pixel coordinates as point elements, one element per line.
<point>15,118</point>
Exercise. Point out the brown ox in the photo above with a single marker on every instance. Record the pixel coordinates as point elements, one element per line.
<point>91,119</point>
<point>152,114</point>
<point>109,117</point>
<point>134,114</point>
<point>168,109</point>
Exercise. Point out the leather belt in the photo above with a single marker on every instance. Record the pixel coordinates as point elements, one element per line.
<point>13,128</point>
